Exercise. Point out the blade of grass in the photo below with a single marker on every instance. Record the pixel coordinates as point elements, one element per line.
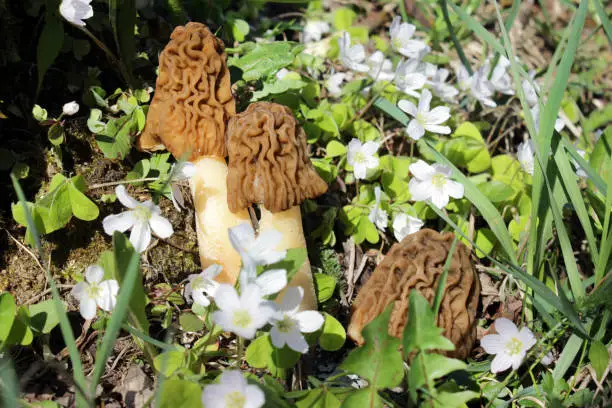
<point>558,302</point>
<point>512,14</point>
<point>606,244</point>
<point>543,143</point>
<point>120,247</point>
<point>451,31</point>
<point>442,282</point>
<point>137,333</point>
<point>9,386</point>
<point>60,311</point>
<point>605,21</point>
<point>569,353</point>
<point>593,175</point>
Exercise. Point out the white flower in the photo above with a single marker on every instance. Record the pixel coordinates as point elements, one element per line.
<point>401,34</point>
<point>361,157</point>
<point>314,30</point>
<point>180,171</point>
<point>95,292</point>
<point>241,315</point>
<point>256,251</point>
<point>381,68</point>
<point>481,88</point>
<point>548,359</point>
<point>464,80</point>
<point>288,324</point>
<point>233,391</point>
<point>500,79</point>
<point>509,346</point>
<point>535,114</point>
<point>75,11</point>
<point>404,224</point>
<point>141,219</point>
<point>202,285</point>
<point>579,170</point>
<point>432,182</point>
<point>531,89</point>
<point>440,88</point>
<point>377,215</point>
<point>70,108</point>
<point>333,83</point>
<point>525,156</point>
<point>424,118</point>
<point>408,79</point>
<point>352,57</point>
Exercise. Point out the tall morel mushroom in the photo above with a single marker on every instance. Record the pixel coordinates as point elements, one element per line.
<point>417,263</point>
<point>269,165</point>
<point>188,115</point>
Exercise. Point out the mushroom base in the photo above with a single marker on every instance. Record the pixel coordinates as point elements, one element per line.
<point>213,217</point>
<point>289,223</point>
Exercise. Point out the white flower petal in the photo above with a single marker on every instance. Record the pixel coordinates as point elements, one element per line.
<point>94,274</point>
<point>199,298</point>
<point>454,189</point>
<point>360,171</point>
<point>124,198</point>
<point>370,148</point>
<point>87,308</point>
<point>161,226</point>
<point>296,342</point>
<point>107,297</point>
<point>441,130</point>
<point>415,130</point>
<point>420,190</point>
<point>506,327</point>
<point>255,396</point>
<point>79,290</point>
<point>493,343</point>
<point>527,338</point>
<point>421,170</point>
<point>310,321</point>
<point>292,299</point>
<point>272,281</point>
<point>277,339</point>
<point>118,222</point>
<point>424,101</point>
<point>226,297</point>
<point>140,237</point>
<point>500,363</point>
<point>437,115</point>
<point>438,198</point>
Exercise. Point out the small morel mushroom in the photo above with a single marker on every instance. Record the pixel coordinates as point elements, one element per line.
<point>417,263</point>
<point>269,165</point>
<point>188,115</point>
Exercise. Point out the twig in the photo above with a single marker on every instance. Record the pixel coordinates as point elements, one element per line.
<point>116,183</point>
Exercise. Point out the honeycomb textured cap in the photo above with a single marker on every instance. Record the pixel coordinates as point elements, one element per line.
<point>193,99</point>
<point>417,263</point>
<point>268,160</point>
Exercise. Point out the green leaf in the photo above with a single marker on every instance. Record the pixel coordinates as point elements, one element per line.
<point>318,398</point>
<point>426,368</point>
<point>168,362</point>
<point>56,134</point>
<point>379,360</point>
<point>82,207</point>
<point>367,397</point>
<point>344,18</point>
<point>485,239</point>
<point>56,203</point>
<point>599,357</point>
<point>265,58</point>
<point>50,41</point>
<point>8,308</point>
<point>262,354</point>
<point>291,263</point>
<point>454,399</point>
<point>240,28</point>
<point>333,334</point>
<point>335,148</point>
<point>421,332</point>
<point>325,285</point>
<point>177,393</point>
<point>43,317</point>
<point>496,191</point>
<point>20,330</point>
<point>291,82</point>
<point>39,113</point>
<point>190,322</point>
<point>258,352</point>
<point>115,140</point>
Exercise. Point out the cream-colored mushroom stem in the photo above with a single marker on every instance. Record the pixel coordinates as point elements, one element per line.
<point>289,223</point>
<point>214,219</point>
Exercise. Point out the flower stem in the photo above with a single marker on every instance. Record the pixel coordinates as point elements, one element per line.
<point>453,37</point>
<point>109,54</point>
<point>240,350</point>
<point>116,183</point>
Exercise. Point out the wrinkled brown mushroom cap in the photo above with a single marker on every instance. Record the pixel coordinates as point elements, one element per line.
<point>268,160</point>
<point>193,99</point>
<point>417,263</point>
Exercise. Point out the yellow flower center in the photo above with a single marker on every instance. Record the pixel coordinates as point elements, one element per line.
<point>420,118</point>
<point>360,158</point>
<point>235,399</point>
<point>94,290</point>
<point>285,325</point>
<point>198,283</point>
<point>514,346</point>
<point>438,180</point>
<point>242,318</point>
<point>142,213</point>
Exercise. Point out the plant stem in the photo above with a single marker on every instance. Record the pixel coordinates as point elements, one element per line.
<point>109,54</point>
<point>454,38</point>
<point>116,183</point>
<point>240,350</point>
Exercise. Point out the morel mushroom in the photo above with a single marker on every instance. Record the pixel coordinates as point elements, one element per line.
<point>269,165</point>
<point>417,263</point>
<point>188,115</point>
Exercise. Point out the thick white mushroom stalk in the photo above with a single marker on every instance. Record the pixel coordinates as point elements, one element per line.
<point>213,217</point>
